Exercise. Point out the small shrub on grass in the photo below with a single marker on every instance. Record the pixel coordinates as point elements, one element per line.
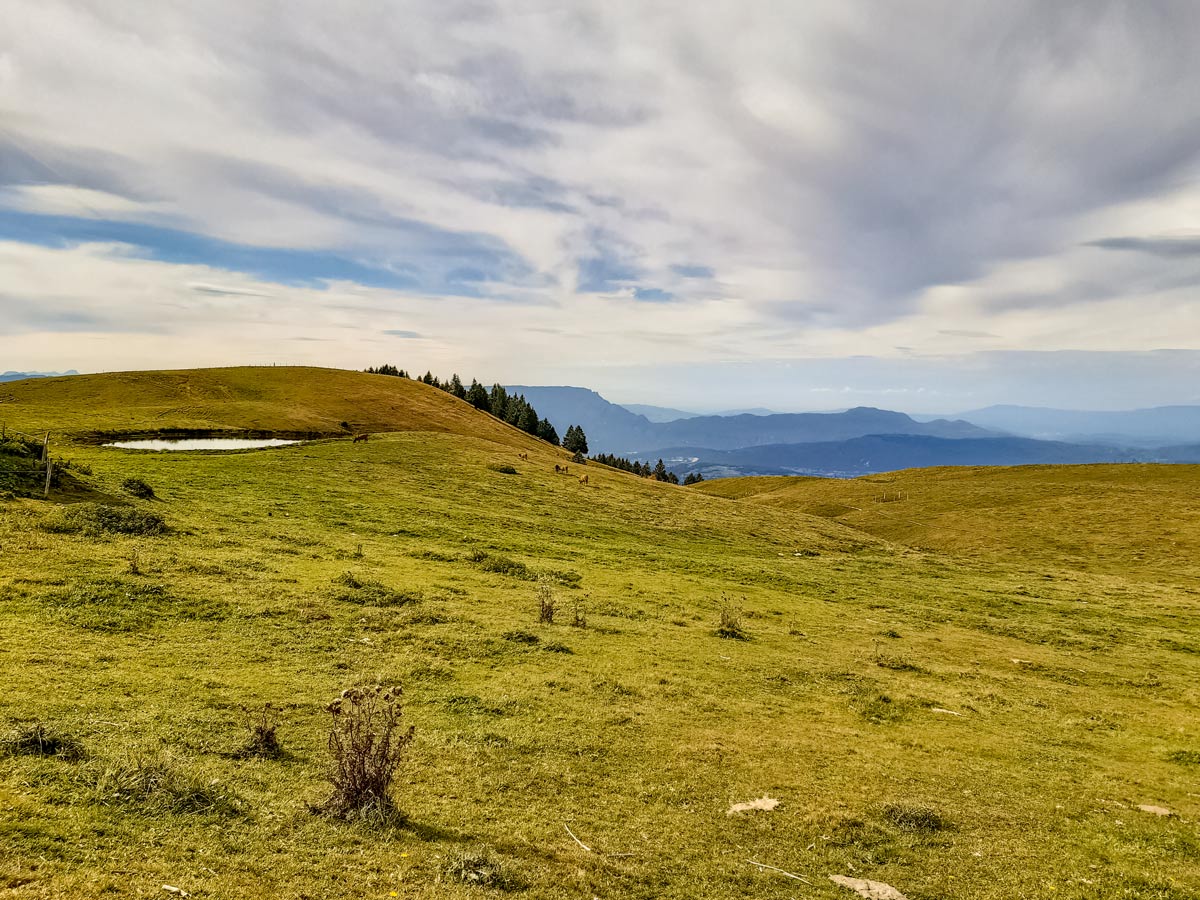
<point>729,625</point>
<point>546,605</point>
<point>128,604</point>
<point>13,447</point>
<point>1185,757</point>
<point>94,519</point>
<point>878,708</point>
<point>578,616</point>
<point>367,742</point>
<point>557,647</point>
<point>356,589</point>
<point>915,817</point>
<point>565,577</point>
<point>503,469</point>
<point>521,636</point>
<point>501,565</point>
<point>157,784</point>
<point>135,487</point>
<point>480,867</point>
<point>896,663</point>
<point>38,739</point>
<point>263,725</point>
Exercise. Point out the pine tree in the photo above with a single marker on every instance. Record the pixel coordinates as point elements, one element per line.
<point>477,396</point>
<point>546,432</point>
<point>529,420</point>
<point>498,398</point>
<point>660,471</point>
<point>515,410</point>
<point>575,440</point>
<point>456,387</point>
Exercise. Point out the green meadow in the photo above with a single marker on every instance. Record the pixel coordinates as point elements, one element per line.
<point>963,683</point>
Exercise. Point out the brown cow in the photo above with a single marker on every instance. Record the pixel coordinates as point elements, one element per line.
<point>524,456</point>
<point>557,468</point>
<point>361,437</point>
<point>583,479</point>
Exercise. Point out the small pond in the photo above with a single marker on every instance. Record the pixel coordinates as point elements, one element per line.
<point>201,444</point>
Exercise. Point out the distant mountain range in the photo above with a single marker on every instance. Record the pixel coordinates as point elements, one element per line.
<point>19,376</point>
<point>613,429</point>
<point>1154,427</point>
<point>658,413</point>
<point>864,440</point>
<point>888,452</point>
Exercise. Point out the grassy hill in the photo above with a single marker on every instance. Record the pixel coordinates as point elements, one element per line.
<point>284,399</point>
<point>1129,520</point>
<point>957,724</point>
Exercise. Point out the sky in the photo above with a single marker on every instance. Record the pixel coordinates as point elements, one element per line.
<point>927,206</point>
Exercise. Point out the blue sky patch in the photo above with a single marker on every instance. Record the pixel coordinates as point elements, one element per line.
<point>652,295</point>
<point>442,262</point>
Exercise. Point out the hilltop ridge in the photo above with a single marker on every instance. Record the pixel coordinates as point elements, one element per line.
<point>280,399</point>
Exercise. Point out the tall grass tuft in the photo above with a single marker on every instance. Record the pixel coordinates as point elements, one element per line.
<point>38,739</point>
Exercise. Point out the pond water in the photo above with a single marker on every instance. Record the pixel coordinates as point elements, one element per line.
<point>201,444</point>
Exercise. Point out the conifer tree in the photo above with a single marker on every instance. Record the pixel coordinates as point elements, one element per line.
<point>546,432</point>
<point>575,440</point>
<point>498,398</point>
<point>529,420</point>
<point>477,396</point>
<point>456,387</point>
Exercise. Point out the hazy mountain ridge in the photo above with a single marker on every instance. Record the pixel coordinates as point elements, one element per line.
<point>21,376</point>
<point>1154,426</point>
<point>888,452</point>
<point>614,429</point>
<point>659,413</point>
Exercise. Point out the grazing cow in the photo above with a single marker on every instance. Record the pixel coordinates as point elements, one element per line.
<point>361,437</point>
<point>583,479</point>
<point>566,470</point>
<point>524,456</point>
<point>557,468</point>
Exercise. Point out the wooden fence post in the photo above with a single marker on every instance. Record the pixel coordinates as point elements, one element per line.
<point>49,469</point>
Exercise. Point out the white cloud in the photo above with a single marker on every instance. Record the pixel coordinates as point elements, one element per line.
<point>893,181</point>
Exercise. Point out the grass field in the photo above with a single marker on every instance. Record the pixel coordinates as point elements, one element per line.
<point>965,694</point>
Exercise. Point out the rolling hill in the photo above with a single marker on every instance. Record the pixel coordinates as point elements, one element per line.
<point>281,400</point>
<point>1119,519</point>
<point>971,684</point>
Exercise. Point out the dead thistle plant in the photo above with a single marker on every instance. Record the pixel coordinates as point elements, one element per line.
<point>367,741</point>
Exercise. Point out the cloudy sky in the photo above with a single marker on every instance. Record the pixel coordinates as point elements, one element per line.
<point>930,206</point>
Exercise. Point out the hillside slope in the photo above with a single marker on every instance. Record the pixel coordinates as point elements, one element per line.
<point>282,399</point>
<point>924,718</point>
<point>1122,519</point>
